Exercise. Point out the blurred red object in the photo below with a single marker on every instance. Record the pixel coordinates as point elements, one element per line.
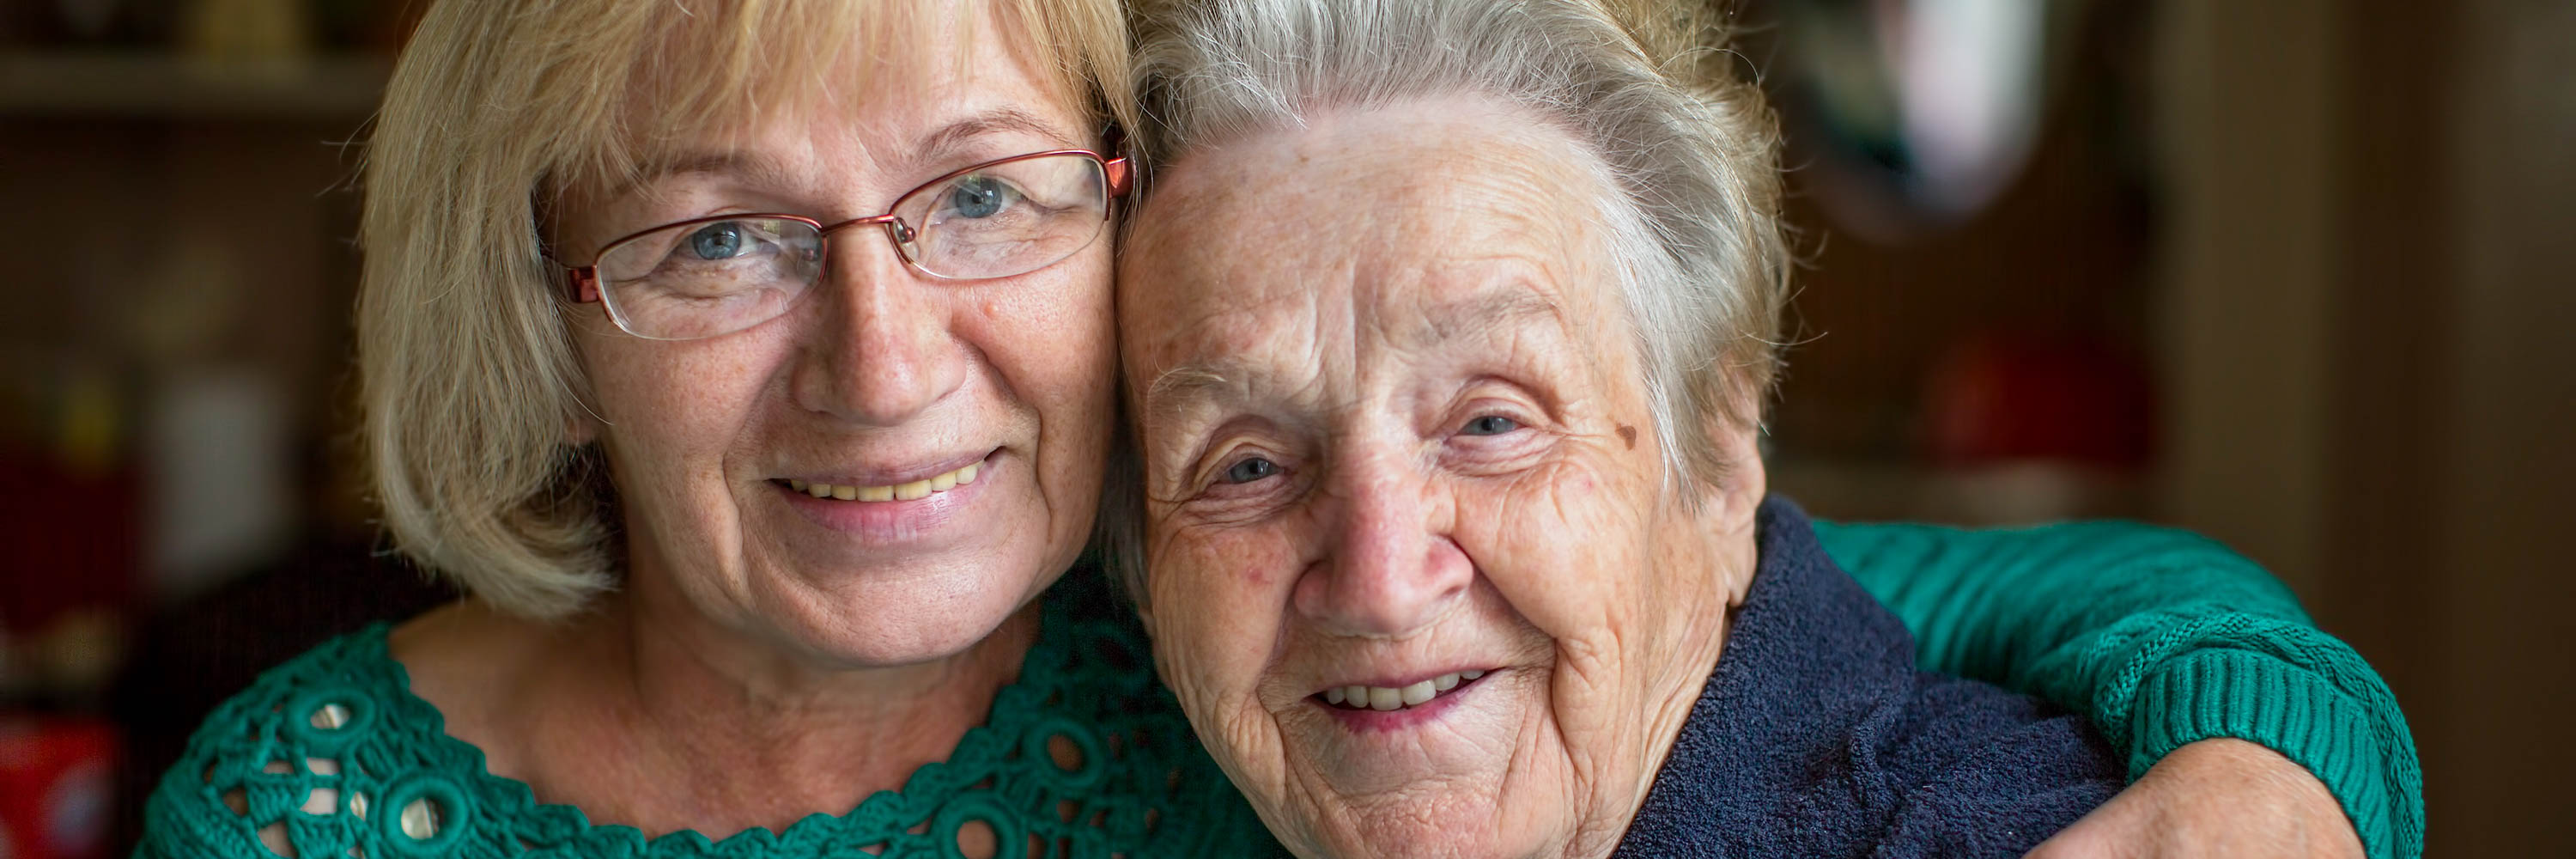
<point>74,532</point>
<point>2022,397</point>
<point>55,781</point>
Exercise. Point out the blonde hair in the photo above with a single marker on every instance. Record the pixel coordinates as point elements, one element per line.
<point>470,387</point>
<point>1688,155</point>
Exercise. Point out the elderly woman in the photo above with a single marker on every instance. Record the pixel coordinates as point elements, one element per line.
<point>750,365</point>
<point>1446,327</point>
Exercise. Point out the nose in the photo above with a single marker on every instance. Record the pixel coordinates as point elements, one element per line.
<point>882,350</point>
<point>1389,567</point>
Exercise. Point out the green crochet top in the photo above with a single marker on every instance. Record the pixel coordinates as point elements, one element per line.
<point>332,751</point>
<point>2162,637</point>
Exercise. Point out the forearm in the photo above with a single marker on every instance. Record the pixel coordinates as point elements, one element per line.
<point>1992,604</point>
<point>2161,637</point>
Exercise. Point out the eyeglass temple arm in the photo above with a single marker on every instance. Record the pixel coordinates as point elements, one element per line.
<point>1119,174</point>
<point>581,283</point>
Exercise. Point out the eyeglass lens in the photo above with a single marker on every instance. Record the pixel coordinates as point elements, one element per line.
<point>704,278</point>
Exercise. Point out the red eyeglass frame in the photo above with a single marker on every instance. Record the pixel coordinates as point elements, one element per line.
<point>581,282</point>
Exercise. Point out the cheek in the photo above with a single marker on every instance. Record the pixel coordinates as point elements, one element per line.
<point>1054,327</point>
<point>675,405</point>
<point>667,417</point>
<point>1052,348</point>
<point>1219,601</point>
<point>1561,543</point>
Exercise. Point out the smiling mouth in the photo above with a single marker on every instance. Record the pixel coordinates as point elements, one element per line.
<point>917,489</point>
<point>1391,698</point>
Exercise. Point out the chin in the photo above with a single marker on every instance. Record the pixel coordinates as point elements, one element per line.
<point>1464,825</point>
<point>1418,841</point>
<point>878,621</point>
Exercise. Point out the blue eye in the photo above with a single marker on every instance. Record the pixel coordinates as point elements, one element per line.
<point>1490,425</point>
<point>717,241</point>
<point>1250,470</point>
<point>978,197</point>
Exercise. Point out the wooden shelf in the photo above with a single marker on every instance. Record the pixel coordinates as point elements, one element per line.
<point>139,85</point>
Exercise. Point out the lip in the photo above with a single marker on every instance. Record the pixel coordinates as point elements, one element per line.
<point>893,476</point>
<point>890,523</point>
<point>1377,721</point>
<point>1393,681</point>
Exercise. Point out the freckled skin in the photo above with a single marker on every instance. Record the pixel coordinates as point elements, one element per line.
<point>1351,302</point>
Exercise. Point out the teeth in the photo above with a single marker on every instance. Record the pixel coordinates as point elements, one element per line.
<point>1384,698</point>
<point>897,492</point>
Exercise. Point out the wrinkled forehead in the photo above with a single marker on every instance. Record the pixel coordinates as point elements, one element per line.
<point>1388,220</point>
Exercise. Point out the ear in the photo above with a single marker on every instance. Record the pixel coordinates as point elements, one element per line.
<point>1740,488</point>
<point>1729,504</point>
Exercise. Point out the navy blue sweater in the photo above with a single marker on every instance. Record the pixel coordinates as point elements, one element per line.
<point>1816,736</point>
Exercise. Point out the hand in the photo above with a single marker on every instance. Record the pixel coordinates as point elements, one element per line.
<point>2213,798</point>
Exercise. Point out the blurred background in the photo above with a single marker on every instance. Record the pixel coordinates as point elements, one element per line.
<point>2293,273</point>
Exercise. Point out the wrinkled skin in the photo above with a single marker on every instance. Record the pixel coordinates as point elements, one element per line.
<point>1337,319</point>
<point>1394,428</point>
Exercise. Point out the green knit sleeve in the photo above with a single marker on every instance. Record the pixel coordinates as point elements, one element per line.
<point>2163,637</point>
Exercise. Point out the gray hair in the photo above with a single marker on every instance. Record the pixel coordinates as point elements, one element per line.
<point>1688,156</point>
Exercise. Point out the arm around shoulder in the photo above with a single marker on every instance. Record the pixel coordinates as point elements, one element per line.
<point>2161,637</point>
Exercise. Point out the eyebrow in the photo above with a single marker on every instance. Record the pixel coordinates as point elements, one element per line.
<point>954,136</point>
<point>1188,383</point>
<point>1485,312</point>
<point>761,169</point>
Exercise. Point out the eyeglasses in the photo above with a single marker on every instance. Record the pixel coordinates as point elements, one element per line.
<point>723,273</point>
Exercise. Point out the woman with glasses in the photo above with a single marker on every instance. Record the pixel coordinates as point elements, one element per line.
<point>751,367</point>
<point>749,364</point>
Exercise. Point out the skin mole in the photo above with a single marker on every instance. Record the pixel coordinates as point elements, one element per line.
<point>1628,434</point>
